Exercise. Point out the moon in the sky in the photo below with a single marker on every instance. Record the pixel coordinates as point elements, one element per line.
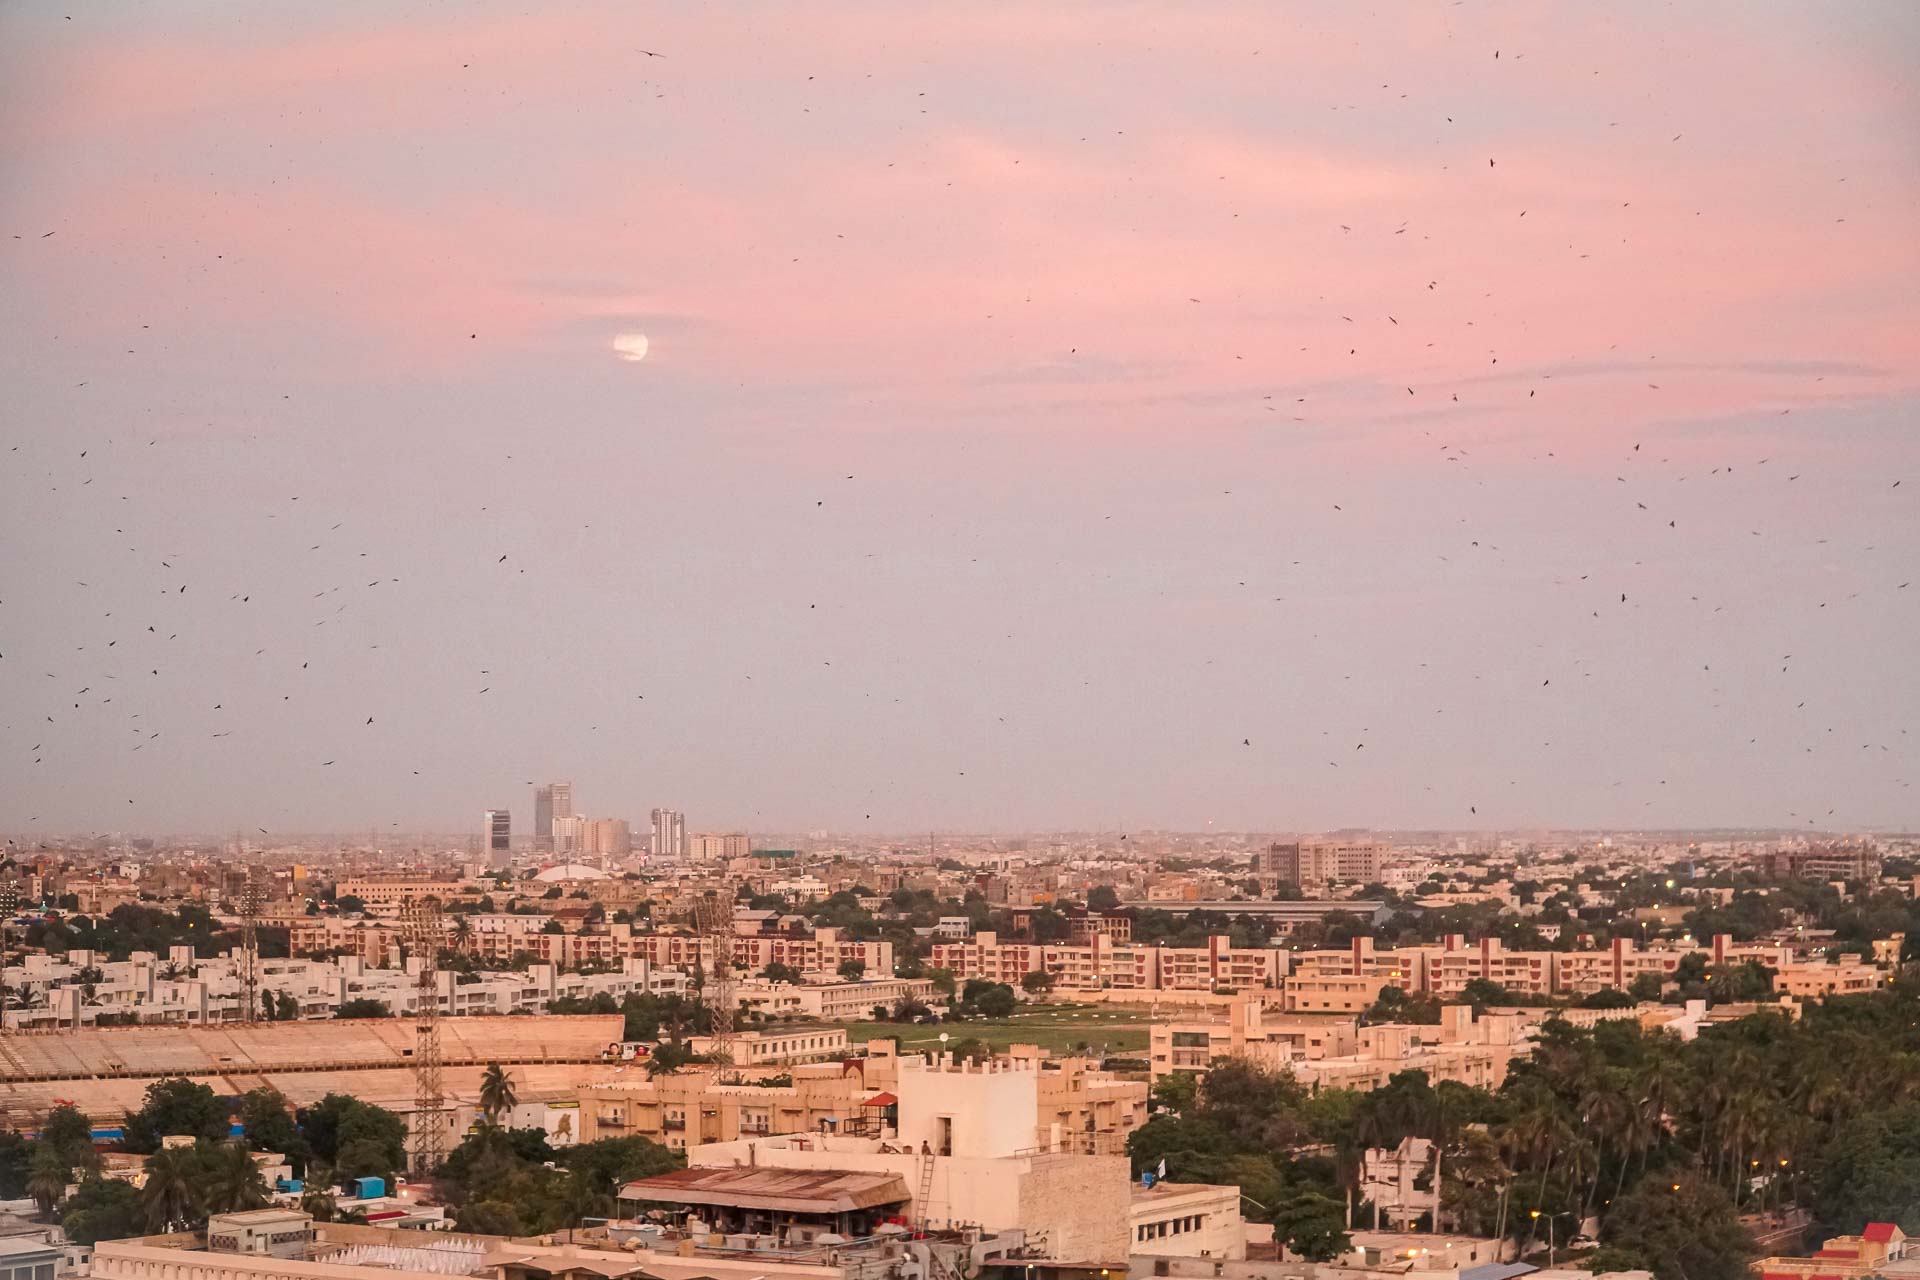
<point>631,346</point>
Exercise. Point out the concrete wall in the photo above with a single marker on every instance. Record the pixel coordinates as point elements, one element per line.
<point>991,1111</point>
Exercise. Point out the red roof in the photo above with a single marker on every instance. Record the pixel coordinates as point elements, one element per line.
<point>881,1100</point>
<point>1879,1232</point>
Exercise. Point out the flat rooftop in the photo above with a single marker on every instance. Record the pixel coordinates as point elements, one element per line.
<point>784,1190</point>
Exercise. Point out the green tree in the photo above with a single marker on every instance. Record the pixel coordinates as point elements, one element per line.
<point>170,1200</point>
<point>1036,982</point>
<point>231,1180</point>
<point>175,1107</point>
<point>1647,987</point>
<point>266,1119</point>
<point>1483,993</point>
<point>1175,1092</point>
<point>852,970</point>
<point>101,1209</point>
<point>349,905</point>
<point>362,1007</point>
<point>778,972</point>
<point>1683,1224</point>
<point>369,1158</point>
<point>1312,1225</point>
<point>1869,1171</point>
<point>490,1218</point>
<point>1103,897</point>
<point>16,1154</point>
<point>610,1162</point>
<point>70,1133</point>
<point>47,1176</point>
<point>338,1121</point>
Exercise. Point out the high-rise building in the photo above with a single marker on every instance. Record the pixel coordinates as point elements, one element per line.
<point>570,834</point>
<point>710,846</point>
<point>555,800</point>
<point>1314,864</point>
<point>497,827</point>
<point>669,834</point>
<point>609,838</point>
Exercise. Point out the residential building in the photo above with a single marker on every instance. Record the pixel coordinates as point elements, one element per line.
<point>964,1148</point>
<point>1844,1257</point>
<point>1186,1220</point>
<point>1250,1031</point>
<point>1101,964</point>
<point>387,893</point>
<point>715,847</point>
<point>567,834</point>
<point>1315,864</point>
<point>831,1001</point>
<point>780,1048</point>
<point>1848,860</point>
<point>688,1108</point>
<point>669,834</point>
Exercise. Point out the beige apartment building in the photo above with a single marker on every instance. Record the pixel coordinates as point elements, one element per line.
<point>1248,1031</point>
<point>1467,1050</point>
<point>688,1108</point>
<point>781,1048</point>
<point>500,936</point>
<point>386,893</point>
<point>1072,1102</point>
<point>1335,1052</point>
<point>1099,963</point>
<point>832,1001</point>
<point>1446,969</point>
<point>1318,863</point>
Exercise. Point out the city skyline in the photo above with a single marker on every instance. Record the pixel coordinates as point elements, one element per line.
<point>1016,417</point>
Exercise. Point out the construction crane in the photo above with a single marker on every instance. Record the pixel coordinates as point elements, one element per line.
<point>249,905</point>
<point>423,934</point>
<point>714,917</point>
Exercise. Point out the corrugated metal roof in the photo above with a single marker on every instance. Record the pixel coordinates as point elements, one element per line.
<point>1498,1271</point>
<point>790,1190</point>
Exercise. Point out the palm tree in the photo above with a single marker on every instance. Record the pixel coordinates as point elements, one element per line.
<point>231,1180</point>
<point>316,1193</point>
<point>1609,1117</point>
<point>171,1198</point>
<point>462,932</point>
<point>47,1180</point>
<point>497,1095</point>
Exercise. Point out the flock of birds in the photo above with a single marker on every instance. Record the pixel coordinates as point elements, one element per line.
<point>161,605</point>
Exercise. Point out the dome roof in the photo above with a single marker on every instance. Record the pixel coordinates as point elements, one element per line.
<point>570,871</point>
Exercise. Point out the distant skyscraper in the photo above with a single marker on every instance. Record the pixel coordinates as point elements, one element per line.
<point>669,834</point>
<point>497,826</point>
<point>555,800</point>
<point>609,838</point>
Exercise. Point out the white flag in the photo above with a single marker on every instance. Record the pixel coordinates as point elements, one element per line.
<point>1162,1175</point>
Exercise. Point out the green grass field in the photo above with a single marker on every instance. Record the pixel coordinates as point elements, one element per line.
<point>1056,1028</point>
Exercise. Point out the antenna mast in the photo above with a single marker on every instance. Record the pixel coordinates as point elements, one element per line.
<point>715,918</point>
<point>424,935</point>
<point>249,946</point>
<point>9,903</point>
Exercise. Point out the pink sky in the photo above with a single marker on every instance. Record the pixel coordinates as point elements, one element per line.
<point>1093,239</point>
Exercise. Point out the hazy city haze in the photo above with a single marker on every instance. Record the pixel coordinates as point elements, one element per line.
<point>887,417</point>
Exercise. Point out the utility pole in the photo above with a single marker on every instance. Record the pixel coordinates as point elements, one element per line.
<point>423,934</point>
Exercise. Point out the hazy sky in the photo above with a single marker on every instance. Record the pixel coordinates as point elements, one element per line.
<point>1050,415</point>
